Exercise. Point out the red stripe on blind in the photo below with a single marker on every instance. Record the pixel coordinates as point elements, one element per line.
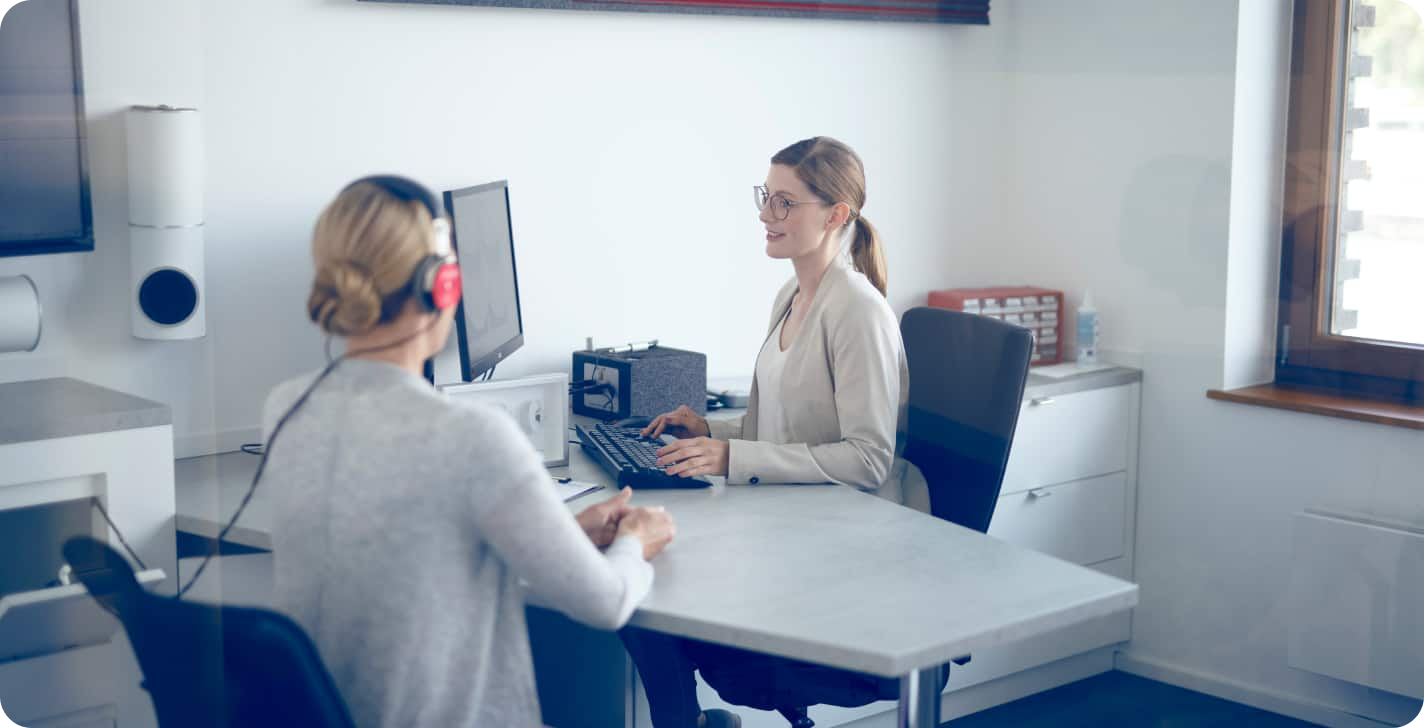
<point>941,4</point>
<point>808,7</point>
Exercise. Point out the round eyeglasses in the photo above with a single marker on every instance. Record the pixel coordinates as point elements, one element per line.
<point>780,206</point>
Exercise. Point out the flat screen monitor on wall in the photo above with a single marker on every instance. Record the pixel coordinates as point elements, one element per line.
<point>488,323</point>
<point>44,180</point>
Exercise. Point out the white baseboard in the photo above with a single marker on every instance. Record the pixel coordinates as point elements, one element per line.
<point>1254,696</point>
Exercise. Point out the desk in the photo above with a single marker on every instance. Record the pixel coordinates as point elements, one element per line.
<point>857,582</point>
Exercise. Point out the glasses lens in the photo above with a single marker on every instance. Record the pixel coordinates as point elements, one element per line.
<point>759,196</point>
<point>780,207</point>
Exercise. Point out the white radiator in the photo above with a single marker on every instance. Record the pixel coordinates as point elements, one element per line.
<point>1357,601</point>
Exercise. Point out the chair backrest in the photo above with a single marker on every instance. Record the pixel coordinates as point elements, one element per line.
<point>967,377</point>
<point>209,665</point>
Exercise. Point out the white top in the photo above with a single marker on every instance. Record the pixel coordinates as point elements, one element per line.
<point>771,416</point>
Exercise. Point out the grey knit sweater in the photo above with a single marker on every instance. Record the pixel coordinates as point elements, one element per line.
<point>403,523</point>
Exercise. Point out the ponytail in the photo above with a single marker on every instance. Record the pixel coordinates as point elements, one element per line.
<point>868,254</point>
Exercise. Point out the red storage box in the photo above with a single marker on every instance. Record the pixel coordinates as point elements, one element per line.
<point>1040,310</point>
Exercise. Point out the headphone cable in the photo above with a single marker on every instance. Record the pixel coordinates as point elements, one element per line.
<point>267,451</point>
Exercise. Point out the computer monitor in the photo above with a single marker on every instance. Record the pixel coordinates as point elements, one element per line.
<point>488,323</point>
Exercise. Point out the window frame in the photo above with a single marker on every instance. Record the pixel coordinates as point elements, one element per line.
<point>1308,354</point>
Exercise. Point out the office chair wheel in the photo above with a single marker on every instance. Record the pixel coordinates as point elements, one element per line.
<point>796,717</point>
<point>718,718</point>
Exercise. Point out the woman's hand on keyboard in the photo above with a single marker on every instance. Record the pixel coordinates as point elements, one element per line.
<point>697,456</point>
<point>681,422</point>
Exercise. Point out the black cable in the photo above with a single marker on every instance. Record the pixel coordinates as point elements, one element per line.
<point>100,505</point>
<point>252,448</point>
<point>261,465</point>
<point>607,391</point>
<point>272,439</point>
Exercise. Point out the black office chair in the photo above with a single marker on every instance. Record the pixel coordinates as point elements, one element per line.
<point>207,665</point>
<point>967,376</point>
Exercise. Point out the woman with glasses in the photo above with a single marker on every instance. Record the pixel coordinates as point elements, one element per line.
<point>831,379</point>
<point>830,388</point>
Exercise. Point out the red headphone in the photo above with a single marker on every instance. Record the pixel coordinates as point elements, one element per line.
<point>435,283</point>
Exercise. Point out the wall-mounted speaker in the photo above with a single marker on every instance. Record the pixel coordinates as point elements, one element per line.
<point>20,314</point>
<point>166,281</point>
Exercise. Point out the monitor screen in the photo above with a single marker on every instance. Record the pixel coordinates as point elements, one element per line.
<point>488,322</point>
<point>44,186</point>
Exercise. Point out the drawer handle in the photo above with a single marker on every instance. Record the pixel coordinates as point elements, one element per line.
<point>1040,401</point>
<point>1037,493</point>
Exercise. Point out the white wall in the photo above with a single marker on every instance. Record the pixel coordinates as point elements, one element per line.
<point>630,142</point>
<point>1126,171</point>
<point>1100,156</point>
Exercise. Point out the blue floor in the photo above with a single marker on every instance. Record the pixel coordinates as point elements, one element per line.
<point>1119,699</point>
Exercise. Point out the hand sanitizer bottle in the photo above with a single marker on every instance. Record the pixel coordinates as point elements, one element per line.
<point>1087,331</point>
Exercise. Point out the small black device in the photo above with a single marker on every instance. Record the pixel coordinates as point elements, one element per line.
<point>621,382</point>
<point>630,458</point>
<point>488,324</point>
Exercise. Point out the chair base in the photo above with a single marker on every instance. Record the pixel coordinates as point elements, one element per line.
<point>796,717</point>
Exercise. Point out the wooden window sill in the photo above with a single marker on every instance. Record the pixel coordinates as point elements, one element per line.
<point>1330,405</point>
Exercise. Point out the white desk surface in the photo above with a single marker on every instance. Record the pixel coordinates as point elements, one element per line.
<point>815,572</point>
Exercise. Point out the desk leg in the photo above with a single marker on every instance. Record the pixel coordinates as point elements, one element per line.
<point>919,699</point>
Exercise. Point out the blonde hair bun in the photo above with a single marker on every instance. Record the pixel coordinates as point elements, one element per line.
<point>344,300</point>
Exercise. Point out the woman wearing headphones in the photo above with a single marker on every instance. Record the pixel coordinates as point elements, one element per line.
<point>830,388</point>
<point>403,522</point>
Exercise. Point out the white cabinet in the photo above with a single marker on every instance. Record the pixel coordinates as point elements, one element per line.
<point>64,443</point>
<point>1070,491</point>
<point>1066,437</point>
<point>1083,521</point>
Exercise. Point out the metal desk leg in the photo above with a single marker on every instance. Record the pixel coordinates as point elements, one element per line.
<point>919,699</point>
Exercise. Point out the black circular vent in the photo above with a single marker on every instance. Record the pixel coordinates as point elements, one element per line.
<point>167,296</point>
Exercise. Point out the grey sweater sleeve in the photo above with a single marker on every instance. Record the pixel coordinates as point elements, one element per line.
<point>535,535</point>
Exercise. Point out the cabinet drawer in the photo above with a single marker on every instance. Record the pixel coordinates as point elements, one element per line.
<point>1080,522</point>
<point>58,618</point>
<point>1070,437</point>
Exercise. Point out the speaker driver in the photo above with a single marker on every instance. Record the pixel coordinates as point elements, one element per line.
<point>168,296</point>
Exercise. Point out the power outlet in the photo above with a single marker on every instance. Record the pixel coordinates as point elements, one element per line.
<point>604,400</point>
<point>539,405</point>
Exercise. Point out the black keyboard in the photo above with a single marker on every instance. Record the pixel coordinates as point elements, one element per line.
<point>630,458</point>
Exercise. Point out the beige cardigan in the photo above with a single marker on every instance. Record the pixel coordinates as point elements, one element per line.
<point>844,388</point>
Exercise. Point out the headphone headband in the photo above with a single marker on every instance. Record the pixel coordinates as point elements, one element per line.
<point>406,190</point>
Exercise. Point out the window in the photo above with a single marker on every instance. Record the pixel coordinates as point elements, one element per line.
<point>1352,260</point>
